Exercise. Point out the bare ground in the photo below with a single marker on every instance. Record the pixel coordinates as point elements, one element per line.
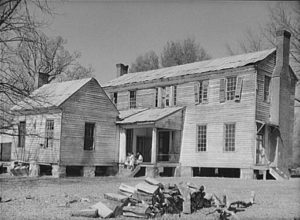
<point>274,199</point>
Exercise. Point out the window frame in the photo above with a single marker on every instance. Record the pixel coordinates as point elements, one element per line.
<point>22,136</point>
<point>199,139</point>
<point>266,98</point>
<point>115,98</point>
<point>86,147</point>
<point>132,100</point>
<point>49,133</point>
<point>229,137</point>
<point>232,87</point>
<point>174,95</point>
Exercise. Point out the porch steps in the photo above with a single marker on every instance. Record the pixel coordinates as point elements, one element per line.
<point>124,172</point>
<point>278,174</point>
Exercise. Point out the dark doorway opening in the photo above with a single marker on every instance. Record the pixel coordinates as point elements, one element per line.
<point>45,170</point>
<point>163,145</point>
<point>106,170</point>
<point>216,172</point>
<point>143,146</point>
<point>167,172</point>
<point>72,171</point>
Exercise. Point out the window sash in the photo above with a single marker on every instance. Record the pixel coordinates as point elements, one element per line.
<point>89,131</point>
<point>174,95</point>
<point>201,138</point>
<point>49,133</point>
<point>22,134</point>
<point>230,88</point>
<point>132,99</point>
<point>115,97</point>
<point>230,137</point>
<point>267,82</point>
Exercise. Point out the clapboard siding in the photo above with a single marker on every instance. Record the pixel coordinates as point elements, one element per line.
<point>35,139</point>
<point>89,104</point>
<point>214,114</point>
<point>123,100</point>
<point>265,68</point>
<point>145,98</point>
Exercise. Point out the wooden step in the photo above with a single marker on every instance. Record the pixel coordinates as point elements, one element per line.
<point>278,174</point>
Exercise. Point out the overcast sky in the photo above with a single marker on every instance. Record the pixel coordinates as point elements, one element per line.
<point>110,32</point>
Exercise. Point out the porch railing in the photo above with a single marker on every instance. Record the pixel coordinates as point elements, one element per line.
<point>173,158</point>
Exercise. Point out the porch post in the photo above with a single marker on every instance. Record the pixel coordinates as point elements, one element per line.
<point>154,147</point>
<point>122,150</point>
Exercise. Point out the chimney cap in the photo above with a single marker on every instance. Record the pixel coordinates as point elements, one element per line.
<point>284,33</point>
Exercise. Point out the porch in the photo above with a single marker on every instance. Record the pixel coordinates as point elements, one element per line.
<point>154,133</point>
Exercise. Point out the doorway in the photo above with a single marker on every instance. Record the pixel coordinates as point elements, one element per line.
<point>143,146</point>
<point>163,145</point>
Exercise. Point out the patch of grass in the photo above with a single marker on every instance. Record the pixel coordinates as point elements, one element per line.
<point>274,199</point>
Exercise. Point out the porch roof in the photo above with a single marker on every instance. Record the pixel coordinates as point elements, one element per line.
<point>147,115</point>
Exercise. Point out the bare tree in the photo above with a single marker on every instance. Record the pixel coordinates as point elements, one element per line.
<point>182,52</point>
<point>148,61</point>
<point>281,16</point>
<point>25,52</point>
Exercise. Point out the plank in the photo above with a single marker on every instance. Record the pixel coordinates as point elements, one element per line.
<point>90,213</point>
<point>147,188</point>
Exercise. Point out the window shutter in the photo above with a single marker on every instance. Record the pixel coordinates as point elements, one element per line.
<point>222,90</point>
<point>196,92</point>
<point>205,84</point>
<point>238,89</point>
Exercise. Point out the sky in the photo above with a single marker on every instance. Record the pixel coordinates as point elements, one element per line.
<point>111,32</point>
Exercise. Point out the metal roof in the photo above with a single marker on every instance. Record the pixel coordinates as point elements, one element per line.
<point>191,68</point>
<point>149,115</point>
<point>51,95</point>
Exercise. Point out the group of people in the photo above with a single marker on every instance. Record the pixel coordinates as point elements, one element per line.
<point>133,160</point>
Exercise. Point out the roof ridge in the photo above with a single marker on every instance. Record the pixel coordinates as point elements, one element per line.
<point>166,72</point>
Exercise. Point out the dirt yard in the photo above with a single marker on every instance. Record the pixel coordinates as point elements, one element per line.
<point>45,195</point>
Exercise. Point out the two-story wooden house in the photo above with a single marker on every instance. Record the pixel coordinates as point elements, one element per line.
<point>67,126</point>
<point>229,116</point>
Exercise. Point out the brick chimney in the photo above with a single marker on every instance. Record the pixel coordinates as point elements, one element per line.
<point>40,80</point>
<point>281,68</point>
<point>121,69</point>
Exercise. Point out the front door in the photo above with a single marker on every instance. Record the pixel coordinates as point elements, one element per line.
<point>143,146</point>
<point>163,145</point>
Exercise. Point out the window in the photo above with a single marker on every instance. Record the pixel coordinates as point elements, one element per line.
<point>115,98</point>
<point>89,136</point>
<point>230,88</point>
<point>167,94</point>
<point>230,137</point>
<point>49,133</point>
<point>132,99</point>
<point>174,95</point>
<point>201,138</point>
<point>156,97</point>
<point>201,91</point>
<point>22,134</point>
<point>267,88</point>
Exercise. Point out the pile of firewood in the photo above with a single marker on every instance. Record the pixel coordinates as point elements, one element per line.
<point>151,199</point>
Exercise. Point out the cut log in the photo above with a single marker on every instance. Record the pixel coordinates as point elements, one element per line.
<point>152,181</point>
<point>115,207</point>
<point>103,210</point>
<point>141,210</point>
<point>147,188</point>
<point>90,213</point>
<point>116,197</point>
<point>186,195</point>
<point>127,189</point>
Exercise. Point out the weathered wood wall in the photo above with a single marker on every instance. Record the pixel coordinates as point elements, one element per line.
<point>89,104</point>
<point>35,138</point>
<point>265,68</point>
<point>214,114</point>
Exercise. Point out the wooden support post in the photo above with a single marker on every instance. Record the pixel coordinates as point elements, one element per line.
<point>122,150</point>
<point>154,147</point>
<point>264,175</point>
